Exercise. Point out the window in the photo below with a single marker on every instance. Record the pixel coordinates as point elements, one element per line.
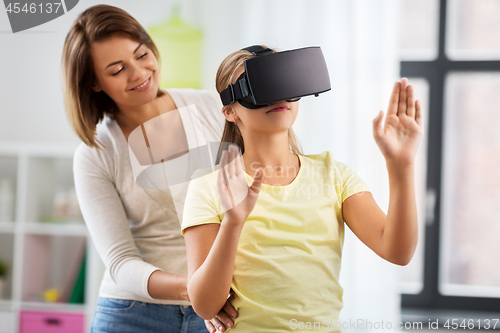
<point>451,49</point>
<point>470,186</point>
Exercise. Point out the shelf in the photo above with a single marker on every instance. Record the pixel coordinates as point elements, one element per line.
<point>5,304</point>
<point>38,149</point>
<point>50,188</point>
<point>7,256</point>
<point>57,229</point>
<point>43,238</point>
<point>8,319</point>
<point>7,227</point>
<point>51,262</point>
<point>59,307</point>
<point>8,187</point>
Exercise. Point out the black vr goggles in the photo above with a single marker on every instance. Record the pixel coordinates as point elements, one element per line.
<point>271,77</point>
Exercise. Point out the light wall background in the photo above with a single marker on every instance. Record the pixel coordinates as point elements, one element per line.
<point>359,39</point>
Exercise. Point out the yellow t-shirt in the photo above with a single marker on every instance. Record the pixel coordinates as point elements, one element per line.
<point>286,273</point>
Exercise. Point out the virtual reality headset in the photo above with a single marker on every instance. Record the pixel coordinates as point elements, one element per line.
<point>282,76</point>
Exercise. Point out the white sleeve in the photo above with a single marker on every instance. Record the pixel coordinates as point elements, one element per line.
<point>107,222</point>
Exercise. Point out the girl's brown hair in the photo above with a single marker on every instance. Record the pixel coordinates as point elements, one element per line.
<point>225,76</point>
<point>86,108</point>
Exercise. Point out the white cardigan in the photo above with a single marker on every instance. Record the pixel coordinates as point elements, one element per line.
<point>136,230</point>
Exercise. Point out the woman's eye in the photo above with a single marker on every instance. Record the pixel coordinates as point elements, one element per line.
<point>117,72</point>
<point>142,56</point>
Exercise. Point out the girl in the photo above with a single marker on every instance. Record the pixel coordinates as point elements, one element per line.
<point>279,249</point>
<point>111,78</point>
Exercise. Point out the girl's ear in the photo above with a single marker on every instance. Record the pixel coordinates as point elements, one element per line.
<point>229,113</point>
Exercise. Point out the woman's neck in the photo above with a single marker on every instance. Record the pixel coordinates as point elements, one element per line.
<point>128,118</point>
<point>135,116</point>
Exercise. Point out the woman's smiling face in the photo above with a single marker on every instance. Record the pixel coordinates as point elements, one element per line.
<point>277,117</point>
<point>126,70</point>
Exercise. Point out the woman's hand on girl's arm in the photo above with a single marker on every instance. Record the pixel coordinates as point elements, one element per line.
<point>223,319</point>
<point>400,136</point>
<point>211,248</point>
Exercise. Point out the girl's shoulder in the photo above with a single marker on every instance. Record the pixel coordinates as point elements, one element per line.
<point>326,160</point>
<point>325,168</point>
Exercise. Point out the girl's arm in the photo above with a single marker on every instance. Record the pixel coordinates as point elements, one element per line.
<point>211,248</point>
<point>392,237</point>
<point>211,252</point>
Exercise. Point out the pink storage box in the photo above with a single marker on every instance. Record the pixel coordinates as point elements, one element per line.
<point>51,322</point>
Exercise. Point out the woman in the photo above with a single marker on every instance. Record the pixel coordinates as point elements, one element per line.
<point>276,239</point>
<point>111,79</point>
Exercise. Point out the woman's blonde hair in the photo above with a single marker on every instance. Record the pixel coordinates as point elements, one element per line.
<point>225,76</point>
<point>86,108</point>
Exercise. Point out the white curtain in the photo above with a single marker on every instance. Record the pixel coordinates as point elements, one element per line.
<point>359,41</point>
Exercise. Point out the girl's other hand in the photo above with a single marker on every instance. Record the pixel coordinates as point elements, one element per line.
<point>400,136</point>
<point>236,197</point>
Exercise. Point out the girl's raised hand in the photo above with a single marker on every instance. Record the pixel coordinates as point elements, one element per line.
<point>236,197</point>
<point>400,136</point>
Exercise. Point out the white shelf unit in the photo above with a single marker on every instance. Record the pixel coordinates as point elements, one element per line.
<point>42,255</point>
